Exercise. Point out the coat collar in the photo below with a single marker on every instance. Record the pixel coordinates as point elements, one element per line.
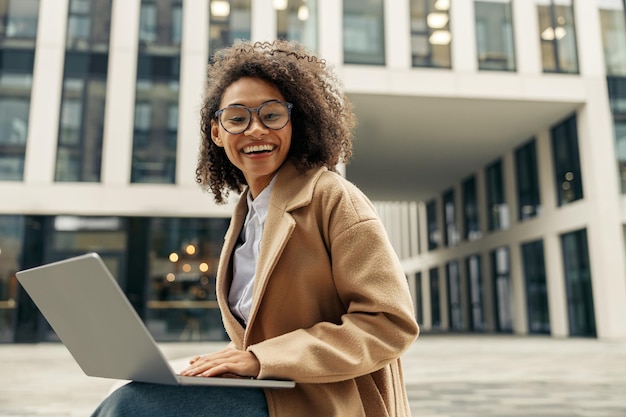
<point>292,190</point>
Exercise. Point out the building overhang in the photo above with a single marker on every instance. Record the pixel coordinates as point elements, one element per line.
<point>419,133</point>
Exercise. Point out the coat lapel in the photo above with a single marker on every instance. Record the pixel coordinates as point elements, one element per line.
<point>292,190</point>
<point>225,271</point>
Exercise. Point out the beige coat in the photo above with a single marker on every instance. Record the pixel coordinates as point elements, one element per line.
<point>331,306</point>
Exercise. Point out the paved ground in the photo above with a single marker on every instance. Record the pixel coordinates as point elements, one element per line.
<point>447,376</point>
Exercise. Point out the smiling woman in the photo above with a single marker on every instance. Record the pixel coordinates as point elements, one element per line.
<point>309,287</point>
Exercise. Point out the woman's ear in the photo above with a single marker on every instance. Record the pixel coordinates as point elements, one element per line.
<point>215,134</point>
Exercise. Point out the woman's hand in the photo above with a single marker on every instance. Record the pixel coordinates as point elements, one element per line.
<point>226,361</point>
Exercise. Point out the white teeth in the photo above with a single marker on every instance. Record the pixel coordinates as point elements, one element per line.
<point>257,148</point>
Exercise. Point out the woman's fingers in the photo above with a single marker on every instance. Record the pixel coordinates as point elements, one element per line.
<point>224,362</point>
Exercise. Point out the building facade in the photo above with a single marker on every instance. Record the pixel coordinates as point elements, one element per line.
<point>99,133</point>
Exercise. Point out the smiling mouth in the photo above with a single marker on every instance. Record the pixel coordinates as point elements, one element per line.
<point>257,149</point>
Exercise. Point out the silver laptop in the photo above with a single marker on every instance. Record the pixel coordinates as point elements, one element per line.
<point>93,318</point>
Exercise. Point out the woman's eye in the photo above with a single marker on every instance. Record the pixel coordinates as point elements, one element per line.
<point>237,119</point>
<point>271,116</point>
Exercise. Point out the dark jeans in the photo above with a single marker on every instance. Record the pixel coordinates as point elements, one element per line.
<point>138,399</point>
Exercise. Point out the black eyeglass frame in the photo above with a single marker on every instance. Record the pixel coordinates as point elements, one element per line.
<point>250,110</point>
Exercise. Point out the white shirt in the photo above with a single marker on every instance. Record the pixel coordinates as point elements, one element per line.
<point>247,253</point>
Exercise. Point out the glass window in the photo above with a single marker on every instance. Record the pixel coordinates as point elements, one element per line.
<point>578,284</point>
<point>536,288</point>
<point>182,304</point>
<point>297,20</point>
<point>430,33</point>
<point>13,132</point>
<point>18,29</point>
<point>229,20</point>
<point>434,236</point>
<point>620,143</point>
<point>363,32</point>
<point>568,177</point>
<point>147,22</point>
<point>613,26</point>
<point>528,201</point>
<point>455,307</point>
<point>471,224</point>
<point>451,235</point>
<point>177,23</point>
<point>11,241</point>
<point>617,95</point>
<point>475,293</point>
<point>497,209</point>
<point>494,35</point>
<point>502,289</point>
<point>435,303</point>
<point>158,73</point>
<point>418,298</point>
<point>18,18</point>
<point>79,150</point>
<point>557,36</point>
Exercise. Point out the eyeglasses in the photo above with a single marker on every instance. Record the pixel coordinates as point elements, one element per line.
<point>236,119</point>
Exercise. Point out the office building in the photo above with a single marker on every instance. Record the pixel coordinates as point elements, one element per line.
<point>492,137</point>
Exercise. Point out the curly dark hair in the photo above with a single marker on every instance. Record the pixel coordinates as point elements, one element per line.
<point>322,117</point>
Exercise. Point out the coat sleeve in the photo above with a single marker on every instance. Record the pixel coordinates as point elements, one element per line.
<point>377,324</point>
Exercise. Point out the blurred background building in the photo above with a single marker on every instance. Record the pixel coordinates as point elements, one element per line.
<point>492,137</point>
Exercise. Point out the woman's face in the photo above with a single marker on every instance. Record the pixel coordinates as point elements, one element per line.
<point>257,151</point>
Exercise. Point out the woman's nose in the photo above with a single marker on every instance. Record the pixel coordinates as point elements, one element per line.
<point>256,128</point>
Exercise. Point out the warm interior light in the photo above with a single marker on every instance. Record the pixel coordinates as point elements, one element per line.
<point>442,5</point>
<point>280,4</point>
<point>190,249</point>
<point>560,32</point>
<point>440,37</point>
<point>303,12</point>
<point>220,8</point>
<point>437,20</point>
<point>187,268</point>
<point>203,267</point>
<point>550,34</point>
<point>173,257</point>
<point>170,277</point>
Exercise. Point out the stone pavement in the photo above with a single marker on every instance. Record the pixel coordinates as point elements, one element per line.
<point>446,376</point>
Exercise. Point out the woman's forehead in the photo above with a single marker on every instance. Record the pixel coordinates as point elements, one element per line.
<point>250,91</point>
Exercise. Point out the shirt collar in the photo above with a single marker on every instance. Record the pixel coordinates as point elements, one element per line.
<point>261,203</point>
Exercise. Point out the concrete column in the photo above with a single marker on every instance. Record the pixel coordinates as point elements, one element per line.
<point>589,39</point>
<point>555,281</point>
<point>518,288</point>
<point>414,229</point>
<point>422,218</point>
<point>488,291</point>
<point>481,199</point>
<point>601,191</point>
<point>600,180</point>
<point>194,59</point>
<point>331,34</point>
<point>557,297</point>
<point>405,229</point>
<point>397,34</point>
<point>45,103</point>
<point>463,29</point>
<point>547,190</point>
<point>510,187</point>
<point>526,32</point>
<point>119,113</point>
<point>263,21</point>
<point>443,298</point>
<point>464,292</point>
